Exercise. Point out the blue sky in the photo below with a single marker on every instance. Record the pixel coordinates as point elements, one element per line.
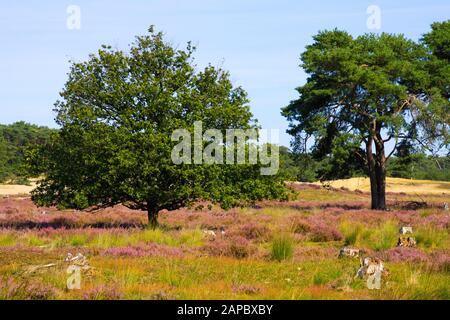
<point>258,41</point>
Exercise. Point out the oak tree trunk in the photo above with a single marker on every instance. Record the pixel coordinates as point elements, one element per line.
<point>152,218</point>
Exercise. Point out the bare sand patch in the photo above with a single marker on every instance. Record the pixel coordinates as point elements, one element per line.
<point>13,190</point>
<point>395,185</point>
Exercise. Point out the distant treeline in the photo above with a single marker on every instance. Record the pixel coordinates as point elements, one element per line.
<point>14,139</point>
<point>309,167</point>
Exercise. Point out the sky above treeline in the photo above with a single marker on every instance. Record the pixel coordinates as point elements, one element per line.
<point>258,41</point>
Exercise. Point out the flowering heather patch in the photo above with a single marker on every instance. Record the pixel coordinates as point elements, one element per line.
<point>70,220</point>
<point>184,218</point>
<point>150,250</point>
<point>103,292</point>
<point>410,255</point>
<point>39,291</point>
<point>300,225</point>
<point>11,288</point>
<point>441,221</point>
<point>319,227</point>
<point>366,217</point>
<point>415,219</point>
<point>190,250</point>
<point>312,253</point>
<point>309,205</point>
<point>304,186</point>
<point>251,231</point>
<point>236,247</point>
<point>88,232</point>
<point>322,232</point>
<point>436,261</point>
<point>246,289</point>
<point>28,216</point>
<point>440,261</point>
<point>14,205</point>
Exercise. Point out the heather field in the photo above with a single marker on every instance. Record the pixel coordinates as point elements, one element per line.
<point>274,250</point>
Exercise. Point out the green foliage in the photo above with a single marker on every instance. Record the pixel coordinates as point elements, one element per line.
<point>117,113</point>
<point>282,248</point>
<point>438,39</point>
<point>304,167</point>
<point>4,172</point>
<point>421,167</point>
<point>14,141</point>
<point>288,164</point>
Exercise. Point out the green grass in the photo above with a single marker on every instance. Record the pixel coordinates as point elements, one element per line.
<point>282,248</point>
<point>431,238</point>
<point>386,235</point>
<point>380,237</point>
<point>217,278</point>
<point>104,240</point>
<point>7,239</point>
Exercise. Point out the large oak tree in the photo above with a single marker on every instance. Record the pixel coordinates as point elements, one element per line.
<point>375,91</point>
<point>117,114</point>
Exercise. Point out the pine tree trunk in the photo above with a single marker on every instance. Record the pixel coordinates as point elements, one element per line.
<point>380,185</point>
<point>374,191</point>
<point>380,171</point>
<point>377,171</point>
<point>372,175</point>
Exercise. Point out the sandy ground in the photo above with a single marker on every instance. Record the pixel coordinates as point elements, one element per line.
<point>11,190</point>
<point>396,185</point>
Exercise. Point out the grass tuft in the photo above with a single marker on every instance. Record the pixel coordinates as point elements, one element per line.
<point>282,248</point>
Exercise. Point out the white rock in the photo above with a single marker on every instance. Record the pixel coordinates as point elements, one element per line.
<point>209,233</point>
<point>406,230</point>
<point>349,252</point>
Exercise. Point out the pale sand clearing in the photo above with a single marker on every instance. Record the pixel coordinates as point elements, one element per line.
<point>12,190</point>
<point>395,185</point>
